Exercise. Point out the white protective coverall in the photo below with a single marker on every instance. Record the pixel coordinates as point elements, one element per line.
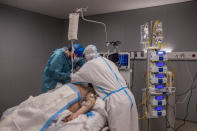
<point>111,86</point>
<point>37,113</point>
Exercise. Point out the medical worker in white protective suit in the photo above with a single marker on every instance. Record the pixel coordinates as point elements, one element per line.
<point>111,86</point>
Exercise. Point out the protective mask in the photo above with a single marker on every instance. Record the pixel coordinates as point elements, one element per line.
<point>76,58</point>
<point>89,57</point>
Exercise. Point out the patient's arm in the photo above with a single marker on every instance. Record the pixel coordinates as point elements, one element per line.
<point>89,103</point>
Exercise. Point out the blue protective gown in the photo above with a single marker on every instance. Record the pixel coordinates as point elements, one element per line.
<point>58,69</point>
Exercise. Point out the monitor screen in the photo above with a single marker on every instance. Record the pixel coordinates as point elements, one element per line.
<point>123,59</point>
<point>160,75</point>
<point>159,97</point>
<point>160,53</point>
<point>159,86</point>
<point>160,64</point>
<point>158,108</point>
<point>114,57</point>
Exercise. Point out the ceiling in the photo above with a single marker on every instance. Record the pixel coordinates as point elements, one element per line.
<point>61,8</point>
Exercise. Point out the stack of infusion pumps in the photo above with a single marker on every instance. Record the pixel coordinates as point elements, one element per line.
<point>159,82</point>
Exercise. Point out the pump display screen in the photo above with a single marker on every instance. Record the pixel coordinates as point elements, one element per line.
<point>159,97</point>
<point>160,75</point>
<point>160,53</point>
<point>159,108</point>
<point>159,86</point>
<point>123,59</point>
<point>160,64</point>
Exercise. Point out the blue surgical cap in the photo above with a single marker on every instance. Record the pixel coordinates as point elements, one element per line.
<point>78,49</point>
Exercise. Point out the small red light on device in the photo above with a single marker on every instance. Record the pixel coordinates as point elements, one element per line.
<point>194,55</point>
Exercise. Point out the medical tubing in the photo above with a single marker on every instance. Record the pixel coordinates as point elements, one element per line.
<point>72,54</point>
<point>174,71</point>
<point>62,109</point>
<point>140,118</point>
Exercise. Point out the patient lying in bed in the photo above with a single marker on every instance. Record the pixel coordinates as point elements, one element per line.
<point>38,113</point>
<point>82,106</point>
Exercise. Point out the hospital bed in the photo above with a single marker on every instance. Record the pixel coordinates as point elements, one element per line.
<point>93,121</point>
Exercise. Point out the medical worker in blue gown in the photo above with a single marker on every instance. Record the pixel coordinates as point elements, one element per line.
<point>58,69</point>
<point>111,87</point>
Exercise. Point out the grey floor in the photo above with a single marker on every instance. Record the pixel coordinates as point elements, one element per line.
<point>189,126</point>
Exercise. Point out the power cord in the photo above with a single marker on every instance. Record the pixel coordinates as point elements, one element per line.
<point>168,125</point>
<point>187,112</point>
<point>185,92</point>
<point>191,88</point>
<point>187,109</point>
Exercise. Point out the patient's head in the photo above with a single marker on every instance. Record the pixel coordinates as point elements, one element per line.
<point>87,86</point>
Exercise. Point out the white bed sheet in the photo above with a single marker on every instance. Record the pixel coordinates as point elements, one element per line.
<point>95,122</point>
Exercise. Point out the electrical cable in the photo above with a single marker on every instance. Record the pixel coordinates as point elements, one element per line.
<point>186,115</point>
<point>167,121</point>
<point>140,118</point>
<point>142,103</point>
<point>183,101</point>
<point>168,124</point>
<point>191,77</point>
<point>191,88</point>
<point>188,70</point>
<point>185,92</point>
<point>187,107</point>
<point>148,103</point>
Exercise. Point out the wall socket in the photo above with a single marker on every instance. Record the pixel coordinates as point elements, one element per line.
<point>186,55</point>
<point>138,55</point>
<point>179,56</point>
